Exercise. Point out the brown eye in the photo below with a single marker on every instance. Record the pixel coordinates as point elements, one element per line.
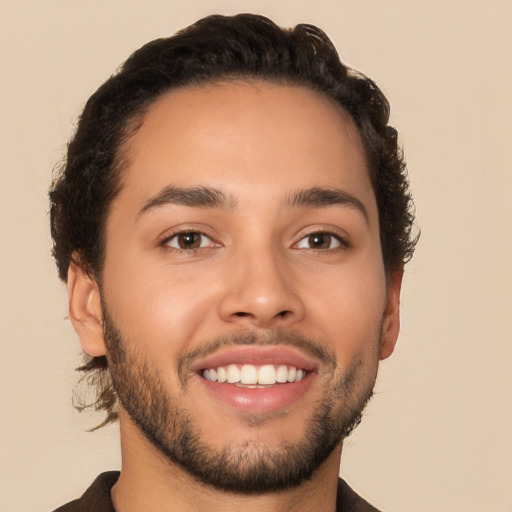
<point>319,241</point>
<point>189,240</point>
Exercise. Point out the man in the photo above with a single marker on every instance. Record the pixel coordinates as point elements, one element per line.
<point>232,221</point>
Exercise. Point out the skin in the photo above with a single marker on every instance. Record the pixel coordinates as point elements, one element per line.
<point>255,272</point>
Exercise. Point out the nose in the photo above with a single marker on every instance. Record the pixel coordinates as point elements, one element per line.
<point>260,291</point>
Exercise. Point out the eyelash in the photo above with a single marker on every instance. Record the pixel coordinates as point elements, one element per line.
<point>341,241</point>
<point>165,243</point>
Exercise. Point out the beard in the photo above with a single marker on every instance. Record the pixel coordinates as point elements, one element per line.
<point>245,466</point>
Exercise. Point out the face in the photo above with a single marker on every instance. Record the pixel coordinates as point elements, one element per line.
<point>244,298</point>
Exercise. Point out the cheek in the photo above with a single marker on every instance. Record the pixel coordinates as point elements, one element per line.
<point>156,307</point>
<point>349,309</point>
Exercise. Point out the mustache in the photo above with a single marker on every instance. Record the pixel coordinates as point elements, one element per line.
<point>278,336</point>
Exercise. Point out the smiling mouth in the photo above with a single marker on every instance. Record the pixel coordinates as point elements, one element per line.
<point>248,375</point>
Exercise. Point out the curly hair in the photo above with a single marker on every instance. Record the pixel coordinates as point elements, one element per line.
<point>216,48</point>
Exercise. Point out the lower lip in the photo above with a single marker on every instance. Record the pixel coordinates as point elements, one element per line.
<point>258,400</point>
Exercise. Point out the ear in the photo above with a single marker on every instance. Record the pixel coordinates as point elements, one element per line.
<point>85,310</point>
<point>391,318</point>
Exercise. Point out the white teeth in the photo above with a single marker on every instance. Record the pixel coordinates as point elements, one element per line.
<point>267,374</point>
<point>250,375</point>
<point>233,373</point>
<point>282,374</point>
<point>222,375</point>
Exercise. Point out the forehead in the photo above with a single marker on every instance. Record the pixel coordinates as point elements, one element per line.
<point>258,137</point>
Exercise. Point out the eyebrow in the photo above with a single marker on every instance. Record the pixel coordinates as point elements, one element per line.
<point>208,197</point>
<point>202,197</point>
<point>321,197</point>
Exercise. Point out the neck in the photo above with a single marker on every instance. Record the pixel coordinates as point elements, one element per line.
<point>150,481</point>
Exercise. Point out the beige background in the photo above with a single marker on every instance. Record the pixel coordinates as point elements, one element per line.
<point>438,434</point>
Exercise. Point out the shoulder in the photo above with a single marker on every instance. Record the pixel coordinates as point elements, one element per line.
<point>96,498</point>
<point>347,500</point>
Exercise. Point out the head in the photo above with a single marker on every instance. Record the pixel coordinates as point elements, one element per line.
<point>232,61</point>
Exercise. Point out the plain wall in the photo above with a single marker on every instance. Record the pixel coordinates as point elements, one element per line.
<point>437,435</point>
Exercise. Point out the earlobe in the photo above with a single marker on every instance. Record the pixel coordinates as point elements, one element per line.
<point>85,310</point>
<point>391,318</point>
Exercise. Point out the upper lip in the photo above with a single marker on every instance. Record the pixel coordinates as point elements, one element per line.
<point>256,355</point>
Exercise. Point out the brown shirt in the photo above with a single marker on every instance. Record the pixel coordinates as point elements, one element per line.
<point>97,497</point>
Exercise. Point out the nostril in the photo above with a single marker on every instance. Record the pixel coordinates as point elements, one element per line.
<point>282,314</point>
